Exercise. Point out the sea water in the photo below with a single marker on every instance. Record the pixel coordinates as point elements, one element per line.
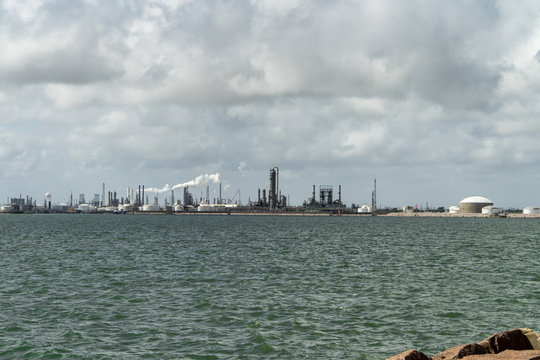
<point>250,287</point>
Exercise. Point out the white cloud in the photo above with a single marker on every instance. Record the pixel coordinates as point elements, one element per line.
<point>167,88</point>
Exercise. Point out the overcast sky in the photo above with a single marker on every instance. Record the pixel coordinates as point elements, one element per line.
<point>438,100</point>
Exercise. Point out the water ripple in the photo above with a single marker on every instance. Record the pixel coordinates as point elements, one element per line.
<point>169,287</point>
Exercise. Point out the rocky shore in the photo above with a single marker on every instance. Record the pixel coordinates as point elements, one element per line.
<point>458,215</point>
<point>517,344</point>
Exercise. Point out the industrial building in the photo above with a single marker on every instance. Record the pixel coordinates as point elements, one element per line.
<point>326,199</point>
<point>275,199</point>
<point>474,204</point>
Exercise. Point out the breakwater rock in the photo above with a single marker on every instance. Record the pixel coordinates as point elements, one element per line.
<point>517,344</point>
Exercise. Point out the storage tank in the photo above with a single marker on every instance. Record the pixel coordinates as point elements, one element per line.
<point>474,204</point>
<point>84,208</point>
<point>491,210</point>
<point>364,209</point>
<point>125,207</point>
<point>453,209</point>
<point>531,210</point>
<point>150,207</point>
<point>208,207</point>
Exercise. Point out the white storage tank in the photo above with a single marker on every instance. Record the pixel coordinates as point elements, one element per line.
<point>150,207</point>
<point>364,209</point>
<point>453,209</point>
<point>491,210</point>
<point>474,204</point>
<point>84,208</point>
<point>531,210</point>
<point>125,207</point>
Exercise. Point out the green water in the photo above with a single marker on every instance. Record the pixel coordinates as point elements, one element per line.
<point>247,287</point>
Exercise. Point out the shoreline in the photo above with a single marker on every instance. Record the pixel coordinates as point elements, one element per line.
<point>516,344</point>
<point>296,213</point>
<point>460,215</point>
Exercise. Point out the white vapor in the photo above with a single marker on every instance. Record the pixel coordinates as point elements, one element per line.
<point>199,181</point>
<point>159,191</point>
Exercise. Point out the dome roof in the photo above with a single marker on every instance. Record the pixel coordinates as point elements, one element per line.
<point>476,200</point>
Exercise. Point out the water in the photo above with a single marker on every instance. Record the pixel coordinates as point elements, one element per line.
<point>247,287</point>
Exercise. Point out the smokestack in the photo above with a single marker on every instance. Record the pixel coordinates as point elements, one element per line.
<point>259,196</point>
<point>313,195</point>
<point>143,195</point>
<point>339,194</point>
<point>220,198</point>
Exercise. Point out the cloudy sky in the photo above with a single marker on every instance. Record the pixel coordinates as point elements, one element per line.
<point>438,100</point>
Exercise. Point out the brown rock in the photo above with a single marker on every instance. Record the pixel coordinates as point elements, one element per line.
<point>410,355</point>
<point>508,355</point>
<point>506,340</point>
<point>460,352</point>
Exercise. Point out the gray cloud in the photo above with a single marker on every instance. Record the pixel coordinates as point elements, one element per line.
<point>160,91</point>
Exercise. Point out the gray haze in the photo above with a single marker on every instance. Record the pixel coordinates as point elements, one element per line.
<point>438,100</point>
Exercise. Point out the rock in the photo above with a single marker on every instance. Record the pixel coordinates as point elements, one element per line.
<point>508,355</point>
<point>533,338</point>
<point>410,355</point>
<point>506,340</point>
<point>459,352</point>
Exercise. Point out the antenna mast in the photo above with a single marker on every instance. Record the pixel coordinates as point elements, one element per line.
<point>374,196</point>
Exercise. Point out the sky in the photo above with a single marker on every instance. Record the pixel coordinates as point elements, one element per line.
<point>437,100</point>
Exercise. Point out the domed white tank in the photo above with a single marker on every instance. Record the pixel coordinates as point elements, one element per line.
<point>83,208</point>
<point>474,204</point>
<point>364,209</point>
<point>125,207</point>
<point>453,209</point>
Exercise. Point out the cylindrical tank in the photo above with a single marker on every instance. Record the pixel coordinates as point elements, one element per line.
<point>474,204</point>
<point>125,207</point>
<point>84,208</point>
<point>150,207</point>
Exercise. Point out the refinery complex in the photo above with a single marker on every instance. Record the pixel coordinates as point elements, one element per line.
<point>180,200</point>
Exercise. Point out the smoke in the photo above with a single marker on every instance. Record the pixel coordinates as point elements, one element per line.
<point>242,167</point>
<point>166,188</point>
<point>200,180</point>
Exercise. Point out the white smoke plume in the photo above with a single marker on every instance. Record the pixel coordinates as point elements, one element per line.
<point>200,180</point>
<point>166,188</point>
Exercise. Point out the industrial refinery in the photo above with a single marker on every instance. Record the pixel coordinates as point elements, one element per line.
<point>269,199</point>
<point>325,199</point>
